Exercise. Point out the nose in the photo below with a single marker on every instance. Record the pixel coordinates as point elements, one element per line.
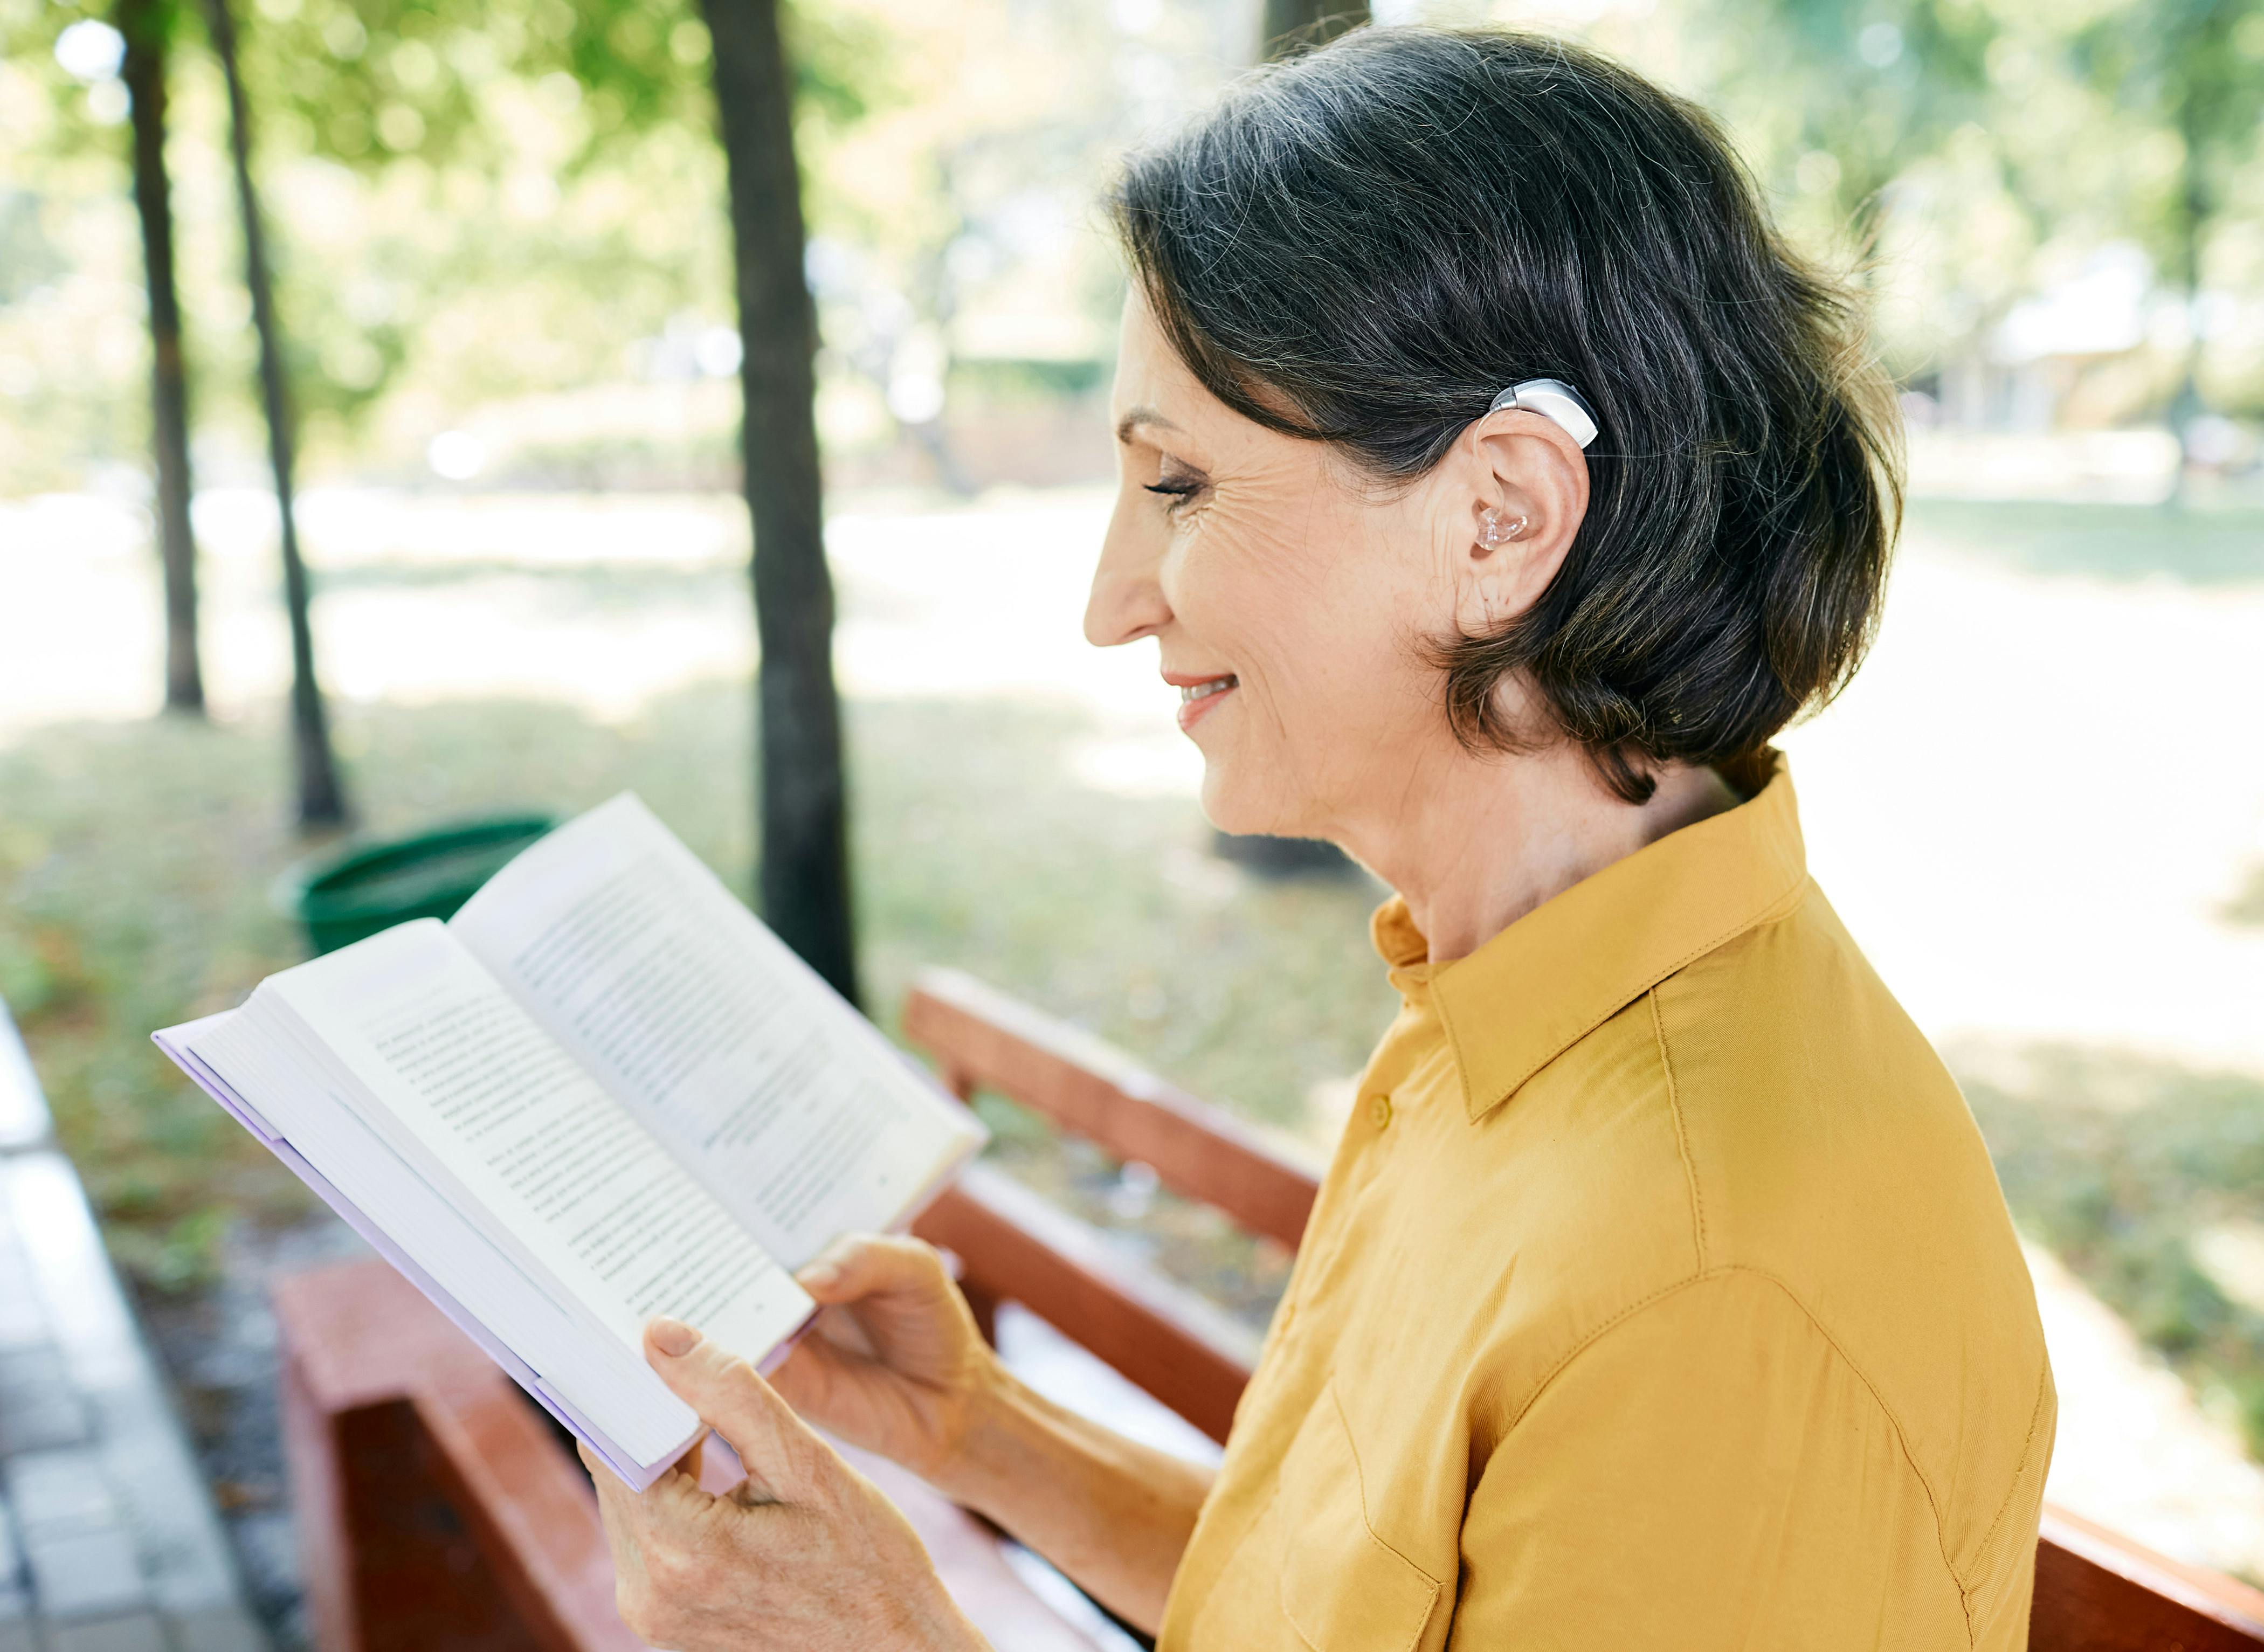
<point>1126,601</point>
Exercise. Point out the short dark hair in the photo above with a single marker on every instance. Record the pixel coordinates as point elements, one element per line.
<point>1363,244</point>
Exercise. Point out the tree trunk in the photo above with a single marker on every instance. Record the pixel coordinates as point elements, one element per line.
<point>804,880</point>
<point>2186,405</point>
<point>145,25</point>
<point>1292,26</point>
<point>322,798</point>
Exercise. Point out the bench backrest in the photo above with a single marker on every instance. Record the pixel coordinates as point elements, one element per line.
<point>2096,1590</point>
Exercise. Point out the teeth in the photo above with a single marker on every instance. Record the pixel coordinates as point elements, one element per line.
<point>1200,691</point>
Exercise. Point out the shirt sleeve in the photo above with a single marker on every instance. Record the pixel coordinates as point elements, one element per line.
<point>1709,1473</point>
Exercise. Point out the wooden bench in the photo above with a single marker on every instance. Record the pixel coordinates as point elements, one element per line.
<point>438,1509</point>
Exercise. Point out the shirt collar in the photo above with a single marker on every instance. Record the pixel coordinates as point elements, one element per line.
<point>1574,961</point>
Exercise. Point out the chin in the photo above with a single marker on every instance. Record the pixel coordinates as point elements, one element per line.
<point>1246,810</point>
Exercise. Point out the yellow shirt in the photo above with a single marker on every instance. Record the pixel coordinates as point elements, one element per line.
<point>1661,1296</point>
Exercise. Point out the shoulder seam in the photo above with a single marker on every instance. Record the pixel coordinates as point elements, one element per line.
<point>1704,1276</point>
<point>2019,1468</point>
<point>1681,1130</point>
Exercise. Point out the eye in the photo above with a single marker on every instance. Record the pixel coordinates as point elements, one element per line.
<point>1177,487</point>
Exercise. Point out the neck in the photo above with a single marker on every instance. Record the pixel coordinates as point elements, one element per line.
<point>1495,839</point>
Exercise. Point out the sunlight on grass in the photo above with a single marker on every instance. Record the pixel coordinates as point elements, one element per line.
<point>2147,1179</point>
<point>2246,906</point>
<point>2200,545</point>
<point>137,859</point>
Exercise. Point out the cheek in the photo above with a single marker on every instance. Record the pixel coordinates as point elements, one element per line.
<point>1320,634</point>
<point>1247,592</point>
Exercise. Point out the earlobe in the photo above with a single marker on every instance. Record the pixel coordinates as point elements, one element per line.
<point>1492,585</point>
<point>1490,602</point>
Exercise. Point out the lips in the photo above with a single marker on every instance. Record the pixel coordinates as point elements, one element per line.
<point>1199,696</point>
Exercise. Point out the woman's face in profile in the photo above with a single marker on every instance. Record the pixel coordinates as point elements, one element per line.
<point>1288,602</point>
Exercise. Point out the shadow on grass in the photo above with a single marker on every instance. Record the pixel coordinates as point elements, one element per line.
<point>2196,546</point>
<point>135,861</point>
<point>2127,1169</point>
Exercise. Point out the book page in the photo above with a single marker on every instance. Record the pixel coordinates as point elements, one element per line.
<point>609,1384</point>
<point>781,1098</point>
<point>555,1171</point>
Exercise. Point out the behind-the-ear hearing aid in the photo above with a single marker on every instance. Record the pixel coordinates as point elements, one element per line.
<point>1553,399</point>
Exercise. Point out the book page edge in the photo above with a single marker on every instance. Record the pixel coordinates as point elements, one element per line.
<point>173,1042</point>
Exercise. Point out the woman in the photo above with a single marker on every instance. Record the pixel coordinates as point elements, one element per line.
<point>1661,1294</point>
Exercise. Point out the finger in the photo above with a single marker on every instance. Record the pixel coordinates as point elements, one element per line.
<point>773,1442</point>
<point>841,1325</point>
<point>867,1264</point>
<point>620,1513</point>
<point>616,1510</point>
<point>613,1491</point>
<point>819,1364</point>
<point>638,1526</point>
<point>607,1479</point>
<point>666,1503</point>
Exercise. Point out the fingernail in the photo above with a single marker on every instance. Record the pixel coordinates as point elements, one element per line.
<point>672,1337</point>
<point>819,1276</point>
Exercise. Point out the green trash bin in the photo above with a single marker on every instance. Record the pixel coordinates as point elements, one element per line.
<point>341,896</point>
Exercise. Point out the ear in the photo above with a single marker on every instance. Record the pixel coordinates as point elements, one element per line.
<point>1520,476</point>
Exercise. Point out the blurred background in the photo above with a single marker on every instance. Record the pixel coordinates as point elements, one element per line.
<point>490,341</point>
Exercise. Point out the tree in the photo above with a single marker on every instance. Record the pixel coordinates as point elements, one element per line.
<point>804,808</point>
<point>322,798</point>
<point>2191,67</point>
<point>1871,86</point>
<point>1290,25</point>
<point>630,59</point>
<point>146,27</point>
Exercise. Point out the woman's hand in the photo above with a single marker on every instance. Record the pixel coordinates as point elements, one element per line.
<point>895,1363</point>
<point>803,1556</point>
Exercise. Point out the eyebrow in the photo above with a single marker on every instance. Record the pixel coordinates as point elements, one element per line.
<point>1138,416</point>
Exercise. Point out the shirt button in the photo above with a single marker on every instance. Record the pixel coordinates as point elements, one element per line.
<point>1379,1111</point>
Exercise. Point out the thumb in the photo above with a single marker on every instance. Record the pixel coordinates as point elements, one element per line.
<point>776,1447</point>
<point>873,1265</point>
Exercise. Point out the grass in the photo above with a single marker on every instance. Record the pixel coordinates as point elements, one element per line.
<point>135,861</point>
<point>2196,545</point>
<point>2247,907</point>
<point>2122,1166</point>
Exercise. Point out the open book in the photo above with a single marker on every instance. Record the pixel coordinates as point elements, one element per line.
<point>603,1090</point>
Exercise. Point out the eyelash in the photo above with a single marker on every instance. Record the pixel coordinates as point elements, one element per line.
<point>1178,492</point>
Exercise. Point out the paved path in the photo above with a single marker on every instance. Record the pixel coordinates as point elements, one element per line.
<point>107,1540</point>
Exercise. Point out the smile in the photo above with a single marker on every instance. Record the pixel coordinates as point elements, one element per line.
<point>1197,698</point>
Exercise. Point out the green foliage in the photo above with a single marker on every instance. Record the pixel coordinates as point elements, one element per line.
<point>1870,85</point>
<point>28,257</point>
<point>2194,67</point>
<point>447,241</point>
<point>368,83</point>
